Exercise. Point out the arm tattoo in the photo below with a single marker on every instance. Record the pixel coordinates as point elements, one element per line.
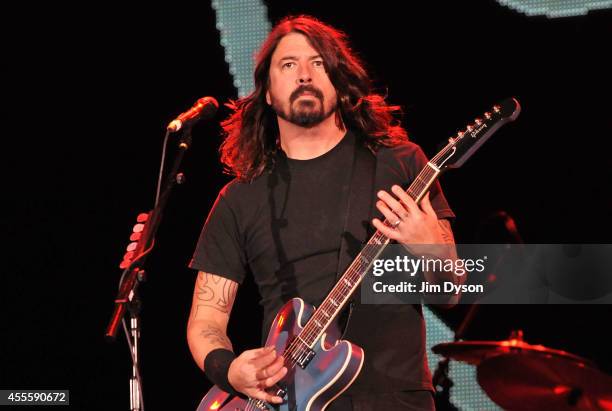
<point>206,296</point>
<point>216,336</point>
<point>447,235</point>
<point>447,232</point>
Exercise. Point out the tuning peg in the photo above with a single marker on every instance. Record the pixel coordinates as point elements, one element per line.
<point>487,115</point>
<point>138,228</point>
<point>497,109</point>
<point>470,128</point>
<point>460,134</point>
<point>478,121</point>
<point>142,217</point>
<point>132,246</point>
<point>135,236</point>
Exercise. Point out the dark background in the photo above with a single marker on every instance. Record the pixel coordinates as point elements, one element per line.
<point>93,89</point>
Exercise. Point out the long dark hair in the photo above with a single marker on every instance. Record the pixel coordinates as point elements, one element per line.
<point>251,131</point>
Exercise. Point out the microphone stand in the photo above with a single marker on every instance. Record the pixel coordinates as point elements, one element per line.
<point>127,296</point>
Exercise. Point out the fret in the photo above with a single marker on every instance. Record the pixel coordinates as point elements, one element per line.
<point>420,179</point>
<point>436,169</point>
<point>301,340</point>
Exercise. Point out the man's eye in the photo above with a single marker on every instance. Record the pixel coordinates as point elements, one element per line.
<point>288,64</point>
<point>318,63</point>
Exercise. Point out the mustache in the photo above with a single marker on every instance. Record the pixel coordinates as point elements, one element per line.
<point>300,91</point>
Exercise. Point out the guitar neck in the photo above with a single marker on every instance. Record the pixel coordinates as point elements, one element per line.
<point>453,155</point>
<point>352,277</point>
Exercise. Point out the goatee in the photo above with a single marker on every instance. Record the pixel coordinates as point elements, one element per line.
<point>305,113</point>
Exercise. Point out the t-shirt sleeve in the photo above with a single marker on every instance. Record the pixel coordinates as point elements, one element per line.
<point>219,249</point>
<point>415,163</point>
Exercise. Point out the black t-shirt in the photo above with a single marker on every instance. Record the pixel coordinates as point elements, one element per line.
<point>285,229</point>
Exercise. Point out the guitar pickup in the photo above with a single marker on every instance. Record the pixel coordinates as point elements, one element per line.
<point>305,358</point>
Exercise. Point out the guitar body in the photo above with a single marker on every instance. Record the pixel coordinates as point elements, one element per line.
<point>330,372</point>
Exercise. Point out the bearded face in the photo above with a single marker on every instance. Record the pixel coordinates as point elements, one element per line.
<point>300,90</point>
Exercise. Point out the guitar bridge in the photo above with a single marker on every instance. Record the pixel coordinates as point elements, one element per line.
<point>254,404</point>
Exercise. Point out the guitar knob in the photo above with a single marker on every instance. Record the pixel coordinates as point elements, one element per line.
<point>487,115</point>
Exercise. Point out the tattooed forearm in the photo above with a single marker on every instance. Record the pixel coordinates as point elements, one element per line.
<point>221,300</point>
<point>447,232</point>
<point>215,336</point>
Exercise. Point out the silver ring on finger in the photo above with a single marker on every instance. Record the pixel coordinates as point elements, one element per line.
<point>395,224</point>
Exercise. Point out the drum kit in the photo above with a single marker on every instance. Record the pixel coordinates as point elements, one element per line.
<point>520,376</point>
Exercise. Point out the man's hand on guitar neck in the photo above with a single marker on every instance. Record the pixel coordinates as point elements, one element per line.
<point>410,223</point>
<point>418,229</point>
<point>254,371</point>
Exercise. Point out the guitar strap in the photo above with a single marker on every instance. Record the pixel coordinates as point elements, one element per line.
<point>357,226</point>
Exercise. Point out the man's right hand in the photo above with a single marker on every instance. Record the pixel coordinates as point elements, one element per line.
<point>254,371</point>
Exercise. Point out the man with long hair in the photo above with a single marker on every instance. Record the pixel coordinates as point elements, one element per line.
<point>293,146</point>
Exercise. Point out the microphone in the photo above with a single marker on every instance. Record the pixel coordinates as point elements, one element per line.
<point>205,107</point>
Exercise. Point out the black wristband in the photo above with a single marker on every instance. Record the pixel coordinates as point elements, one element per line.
<point>216,367</point>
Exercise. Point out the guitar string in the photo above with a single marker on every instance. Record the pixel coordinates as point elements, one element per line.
<point>311,331</point>
<point>297,345</point>
<point>297,348</point>
<point>423,179</point>
<point>417,186</point>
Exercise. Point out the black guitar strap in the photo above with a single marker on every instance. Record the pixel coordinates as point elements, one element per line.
<point>357,226</point>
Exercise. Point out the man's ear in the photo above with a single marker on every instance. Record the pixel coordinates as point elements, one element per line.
<point>268,99</point>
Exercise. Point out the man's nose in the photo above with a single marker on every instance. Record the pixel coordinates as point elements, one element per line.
<point>304,75</point>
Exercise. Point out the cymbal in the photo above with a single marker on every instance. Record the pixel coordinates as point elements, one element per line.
<point>534,380</point>
<point>474,352</point>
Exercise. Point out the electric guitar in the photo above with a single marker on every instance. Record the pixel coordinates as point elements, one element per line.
<point>320,367</point>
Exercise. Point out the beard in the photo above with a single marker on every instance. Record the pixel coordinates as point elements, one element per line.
<point>305,112</point>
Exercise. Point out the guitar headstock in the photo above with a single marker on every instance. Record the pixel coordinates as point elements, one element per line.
<point>465,143</point>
